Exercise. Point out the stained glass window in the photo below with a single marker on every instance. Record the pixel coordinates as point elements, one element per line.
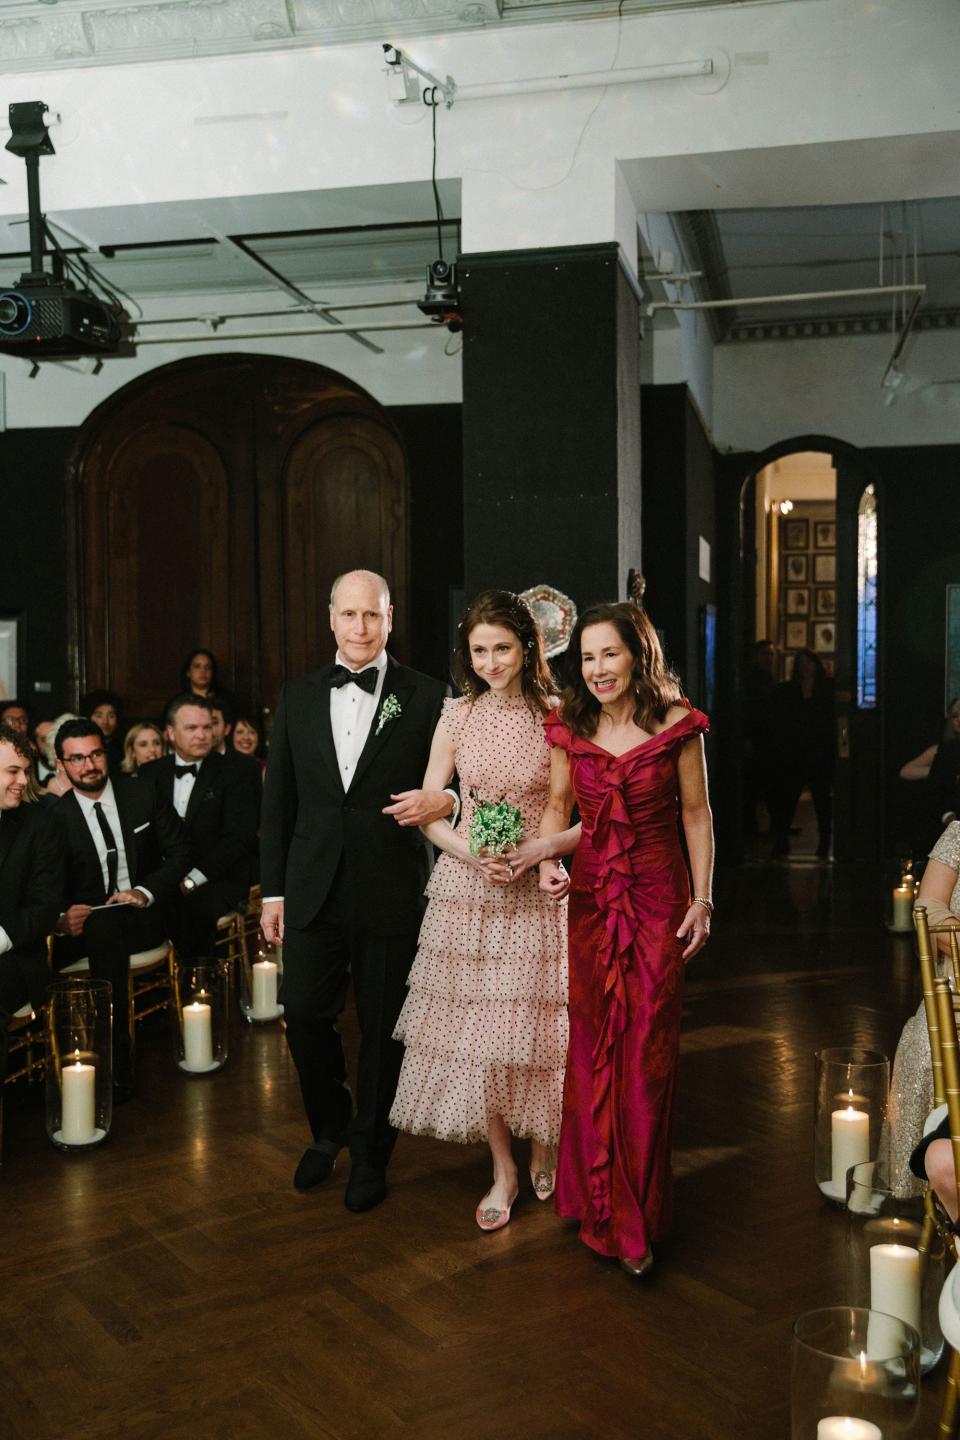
<point>867,600</point>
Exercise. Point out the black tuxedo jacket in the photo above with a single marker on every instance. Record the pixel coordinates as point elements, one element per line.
<point>156,844</point>
<point>309,823</point>
<point>31,890</point>
<point>222,815</point>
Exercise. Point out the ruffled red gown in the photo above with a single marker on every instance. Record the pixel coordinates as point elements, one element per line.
<point>629,894</point>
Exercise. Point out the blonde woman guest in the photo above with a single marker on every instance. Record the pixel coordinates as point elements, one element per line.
<point>485,1020</point>
<point>58,784</point>
<point>143,742</point>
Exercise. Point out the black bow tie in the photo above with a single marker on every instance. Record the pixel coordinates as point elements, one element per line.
<point>366,679</point>
<point>181,770</point>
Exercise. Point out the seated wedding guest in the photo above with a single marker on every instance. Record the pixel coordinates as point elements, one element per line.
<point>143,742</point>
<point>220,809</point>
<point>15,714</point>
<point>911,1089</point>
<point>198,674</point>
<point>104,708</point>
<point>126,852</point>
<point>57,783</point>
<point>919,767</point>
<point>933,1160</point>
<point>246,738</point>
<point>31,884</point>
<point>42,771</point>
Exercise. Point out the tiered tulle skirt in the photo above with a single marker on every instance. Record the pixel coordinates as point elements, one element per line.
<point>485,1020</point>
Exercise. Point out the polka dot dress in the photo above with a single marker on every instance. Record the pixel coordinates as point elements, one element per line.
<point>485,1020</point>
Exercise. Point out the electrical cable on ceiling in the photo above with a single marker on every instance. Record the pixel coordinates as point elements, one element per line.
<point>433,102</point>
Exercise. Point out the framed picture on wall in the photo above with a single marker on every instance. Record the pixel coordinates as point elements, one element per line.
<point>798,602</point>
<point>825,569</point>
<point>825,637</point>
<point>11,637</point>
<point>796,534</point>
<point>824,535</point>
<point>827,662</point>
<point>797,569</point>
<point>796,634</point>
<point>825,601</point>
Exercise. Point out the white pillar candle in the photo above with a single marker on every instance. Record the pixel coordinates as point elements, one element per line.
<point>264,990</point>
<point>903,907</point>
<point>850,1144</point>
<point>895,1282</point>
<point>845,1427</point>
<point>197,1037</point>
<point>78,1116</point>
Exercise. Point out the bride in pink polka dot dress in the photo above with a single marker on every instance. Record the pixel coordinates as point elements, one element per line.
<point>485,1020</point>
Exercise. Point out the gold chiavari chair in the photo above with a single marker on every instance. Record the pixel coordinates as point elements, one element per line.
<point>153,981</point>
<point>940,1008</point>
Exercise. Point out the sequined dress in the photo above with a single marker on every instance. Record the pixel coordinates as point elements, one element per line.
<point>485,1019</point>
<point>911,1085</point>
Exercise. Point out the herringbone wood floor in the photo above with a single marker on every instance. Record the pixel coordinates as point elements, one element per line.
<point>173,1286</point>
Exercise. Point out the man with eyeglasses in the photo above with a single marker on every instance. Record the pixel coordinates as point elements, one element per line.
<point>126,852</point>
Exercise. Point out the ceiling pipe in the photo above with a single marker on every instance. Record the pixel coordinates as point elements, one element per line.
<point>585,80</point>
<point>215,318</point>
<point>289,334</point>
<point>792,299</point>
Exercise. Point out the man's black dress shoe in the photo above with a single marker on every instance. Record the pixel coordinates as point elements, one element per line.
<point>316,1165</point>
<point>366,1187</point>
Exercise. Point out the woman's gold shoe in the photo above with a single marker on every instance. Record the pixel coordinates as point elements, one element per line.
<point>637,1267</point>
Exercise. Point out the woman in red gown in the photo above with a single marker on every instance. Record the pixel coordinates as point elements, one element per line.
<point>628,750</point>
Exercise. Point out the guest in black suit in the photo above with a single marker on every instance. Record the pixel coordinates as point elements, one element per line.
<point>31,884</point>
<point>343,872</point>
<point>126,851</point>
<point>220,808</point>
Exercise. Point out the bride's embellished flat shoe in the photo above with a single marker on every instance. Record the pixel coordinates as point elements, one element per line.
<point>544,1183</point>
<point>491,1217</point>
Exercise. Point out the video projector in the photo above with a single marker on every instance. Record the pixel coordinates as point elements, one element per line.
<point>47,316</point>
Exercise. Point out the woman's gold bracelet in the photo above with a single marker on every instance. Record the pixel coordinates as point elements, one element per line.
<point>702,900</point>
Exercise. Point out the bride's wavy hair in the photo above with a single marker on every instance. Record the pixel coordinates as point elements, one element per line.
<point>502,607</point>
<point>655,685</point>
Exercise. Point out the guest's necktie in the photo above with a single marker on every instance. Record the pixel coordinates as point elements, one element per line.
<point>181,770</point>
<point>366,679</point>
<point>111,844</point>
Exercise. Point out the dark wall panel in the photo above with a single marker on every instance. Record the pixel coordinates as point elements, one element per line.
<point>542,447</point>
<point>33,576</point>
<point>432,437</point>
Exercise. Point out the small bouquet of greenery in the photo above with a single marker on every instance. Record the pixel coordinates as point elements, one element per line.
<point>495,828</point>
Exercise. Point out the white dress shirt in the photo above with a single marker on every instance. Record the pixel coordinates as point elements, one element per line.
<point>352,713</point>
<point>107,801</point>
<point>5,942</point>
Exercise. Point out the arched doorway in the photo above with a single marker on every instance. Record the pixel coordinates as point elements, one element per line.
<point>212,503</point>
<point>859,817</point>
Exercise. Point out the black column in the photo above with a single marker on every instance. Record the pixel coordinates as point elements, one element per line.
<point>551,421</point>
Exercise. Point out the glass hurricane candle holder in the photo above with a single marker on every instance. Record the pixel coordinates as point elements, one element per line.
<point>260,985</point>
<point>79,1081</point>
<point>895,1259</point>
<point>202,1016</point>
<point>856,1376</point>
<point>850,1101</point>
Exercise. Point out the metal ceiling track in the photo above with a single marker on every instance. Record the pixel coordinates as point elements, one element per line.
<point>796,298</point>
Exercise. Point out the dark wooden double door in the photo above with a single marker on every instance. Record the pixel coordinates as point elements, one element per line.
<point>213,504</point>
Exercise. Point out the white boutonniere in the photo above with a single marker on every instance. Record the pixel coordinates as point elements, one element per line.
<point>389,710</point>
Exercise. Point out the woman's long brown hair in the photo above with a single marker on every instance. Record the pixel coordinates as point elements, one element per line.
<point>502,607</point>
<point>655,685</point>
